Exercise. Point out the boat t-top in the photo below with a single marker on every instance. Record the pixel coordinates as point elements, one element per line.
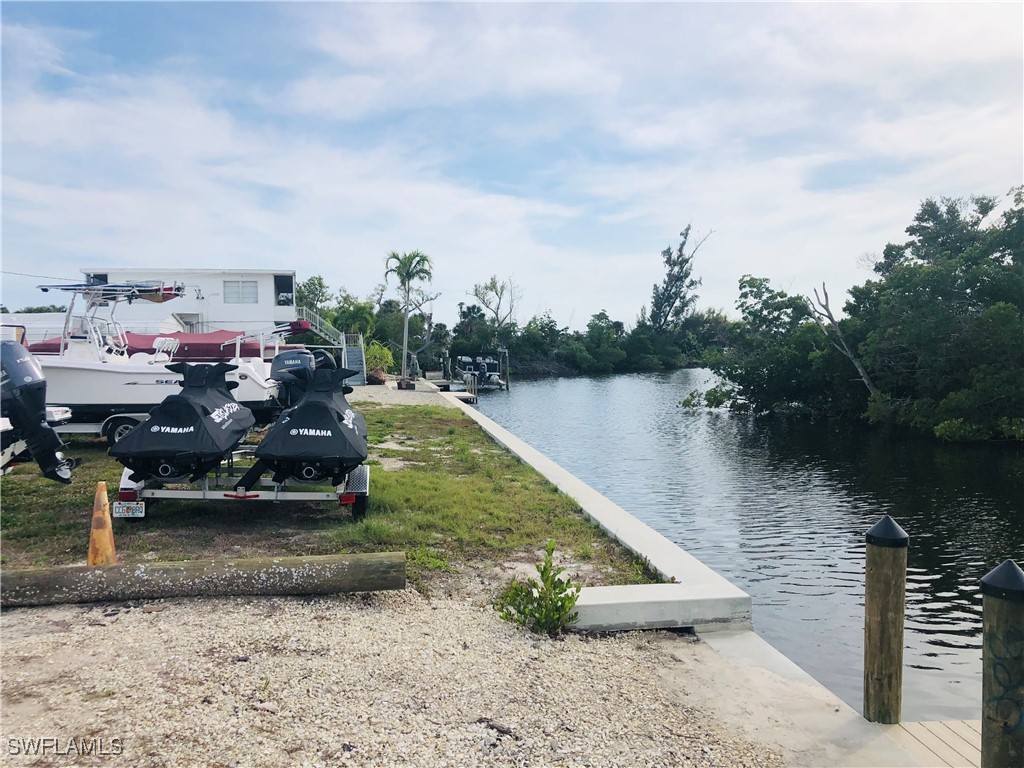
<point>94,372</point>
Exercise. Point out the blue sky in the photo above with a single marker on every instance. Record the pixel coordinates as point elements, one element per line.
<point>562,145</point>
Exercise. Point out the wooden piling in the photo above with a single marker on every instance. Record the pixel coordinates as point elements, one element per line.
<point>885,590</point>
<point>1002,672</point>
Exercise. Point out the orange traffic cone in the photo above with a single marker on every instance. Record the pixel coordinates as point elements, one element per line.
<point>101,537</point>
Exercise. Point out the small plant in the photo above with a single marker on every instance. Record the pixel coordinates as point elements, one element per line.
<point>430,559</point>
<point>379,356</point>
<point>545,606</point>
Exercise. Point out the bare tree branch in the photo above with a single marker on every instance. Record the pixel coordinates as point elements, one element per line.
<point>500,299</point>
<point>822,313</point>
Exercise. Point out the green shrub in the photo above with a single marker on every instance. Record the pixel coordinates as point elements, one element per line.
<point>545,606</point>
<point>1012,428</point>
<point>958,429</point>
<point>379,356</point>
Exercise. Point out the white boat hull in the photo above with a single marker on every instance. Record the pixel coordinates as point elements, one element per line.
<point>96,390</point>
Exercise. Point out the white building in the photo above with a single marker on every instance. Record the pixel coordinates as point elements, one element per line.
<point>214,299</point>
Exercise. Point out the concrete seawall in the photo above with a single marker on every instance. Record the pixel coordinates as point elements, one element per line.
<point>695,596</point>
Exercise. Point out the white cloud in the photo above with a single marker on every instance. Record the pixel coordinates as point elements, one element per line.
<point>33,51</point>
<point>388,57</point>
<point>649,116</point>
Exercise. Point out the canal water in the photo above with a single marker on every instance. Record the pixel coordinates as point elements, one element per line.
<point>780,507</point>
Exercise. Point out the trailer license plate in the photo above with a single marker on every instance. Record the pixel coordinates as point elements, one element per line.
<point>129,509</point>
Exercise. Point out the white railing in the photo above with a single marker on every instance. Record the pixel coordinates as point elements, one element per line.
<point>320,326</point>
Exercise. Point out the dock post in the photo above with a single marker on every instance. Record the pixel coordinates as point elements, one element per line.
<point>1002,667</point>
<point>885,591</point>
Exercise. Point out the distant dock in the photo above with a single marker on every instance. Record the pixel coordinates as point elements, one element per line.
<point>464,394</point>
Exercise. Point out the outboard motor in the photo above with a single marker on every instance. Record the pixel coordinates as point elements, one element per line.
<point>290,370</point>
<point>190,433</point>
<point>23,403</point>
<point>324,359</point>
<point>320,437</point>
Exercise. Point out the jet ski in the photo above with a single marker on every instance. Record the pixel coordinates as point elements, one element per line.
<point>23,406</point>
<point>320,437</point>
<point>190,433</point>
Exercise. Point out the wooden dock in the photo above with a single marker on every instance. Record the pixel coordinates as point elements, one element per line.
<point>949,743</point>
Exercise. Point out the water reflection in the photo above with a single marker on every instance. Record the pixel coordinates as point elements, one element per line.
<point>780,507</point>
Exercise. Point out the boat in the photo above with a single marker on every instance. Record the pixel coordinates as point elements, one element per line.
<point>319,438</point>
<point>95,372</point>
<point>484,371</point>
<point>209,347</point>
<point>25,418</point>
<point>190,432</point>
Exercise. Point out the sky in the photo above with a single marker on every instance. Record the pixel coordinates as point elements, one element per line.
<point>562,146</point>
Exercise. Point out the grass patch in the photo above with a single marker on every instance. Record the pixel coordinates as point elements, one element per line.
<point>430,559</point>
<point>457,497</point>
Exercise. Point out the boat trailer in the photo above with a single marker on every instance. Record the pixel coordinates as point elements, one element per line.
<point>240,478</point>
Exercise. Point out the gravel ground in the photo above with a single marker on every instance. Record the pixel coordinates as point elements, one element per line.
<point>391,396</point>
<point>371,680</point>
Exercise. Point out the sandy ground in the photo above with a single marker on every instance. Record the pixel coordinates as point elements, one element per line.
<point>390,395</point>
<point>383,679</point>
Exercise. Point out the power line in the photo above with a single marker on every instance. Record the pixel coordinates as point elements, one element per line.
<point>44,277</point>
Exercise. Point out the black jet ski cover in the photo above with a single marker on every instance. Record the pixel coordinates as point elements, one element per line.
<point>23,402</point>
<point>320,436</point>
<point>188,433</point>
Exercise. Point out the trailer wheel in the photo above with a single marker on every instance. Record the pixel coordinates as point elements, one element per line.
<point>118,428</point>
<point>360,506</point>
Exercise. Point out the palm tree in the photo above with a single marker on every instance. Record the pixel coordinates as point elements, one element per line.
<point>408,268</point>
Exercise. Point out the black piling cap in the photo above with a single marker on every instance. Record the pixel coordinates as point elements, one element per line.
<point>1005,581</point>
<point>887,533</point>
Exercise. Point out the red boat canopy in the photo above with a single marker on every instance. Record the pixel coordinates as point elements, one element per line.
<point>192,347</point>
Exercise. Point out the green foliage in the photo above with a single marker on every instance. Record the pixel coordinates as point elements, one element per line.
<point>674,298</point>
<point>544,606</point>
<point>379,356</point>
<point>430,559</point>
<point>939,333</point>
<point>958,429</point>
<point>314,294</point>
<point>473,334</point>
<point>352,315</point>
<point>42,309</point>
<point>1012,428</point>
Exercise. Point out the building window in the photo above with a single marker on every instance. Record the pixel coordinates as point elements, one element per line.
<point>284,290</point>
<point>240,292</point>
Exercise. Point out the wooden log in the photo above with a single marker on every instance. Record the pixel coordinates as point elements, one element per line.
<point>885,590</point>
<point>1002,667</point>
<point>317,575</point>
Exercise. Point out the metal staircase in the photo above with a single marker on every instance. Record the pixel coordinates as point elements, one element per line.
<point>350,344</point>
<point>353,357</point>
<point>320,327</point>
